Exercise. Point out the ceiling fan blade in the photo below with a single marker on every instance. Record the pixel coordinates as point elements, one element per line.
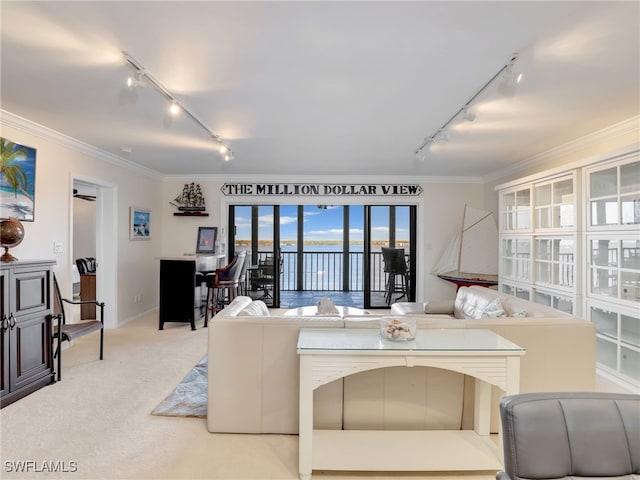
<point>82,196</point>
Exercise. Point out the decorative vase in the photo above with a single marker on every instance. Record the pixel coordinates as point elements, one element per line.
<point>11,234</point>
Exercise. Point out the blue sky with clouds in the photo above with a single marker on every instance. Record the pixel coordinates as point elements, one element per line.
<point>322,223</point>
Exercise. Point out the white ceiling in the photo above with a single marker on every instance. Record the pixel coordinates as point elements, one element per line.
<point>322,87</point>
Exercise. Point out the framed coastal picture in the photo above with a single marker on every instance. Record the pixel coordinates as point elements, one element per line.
<point>17,181</point>
<point>206,243</point>
<point>140,223</point>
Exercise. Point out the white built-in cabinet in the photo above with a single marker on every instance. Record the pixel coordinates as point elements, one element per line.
<point>613,265</point>
<point>538,241</point>
<point>571,240</point>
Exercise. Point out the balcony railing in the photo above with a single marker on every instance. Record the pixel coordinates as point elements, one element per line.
<point>324,271</point>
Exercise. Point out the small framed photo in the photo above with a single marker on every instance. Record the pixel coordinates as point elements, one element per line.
<point>206,240</point>
<point>139,223</point>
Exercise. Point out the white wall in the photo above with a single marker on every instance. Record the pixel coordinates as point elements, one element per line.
<point>616,139</point>
<point>84,229</point>
<point>440,210</point>
<point>58,160</point>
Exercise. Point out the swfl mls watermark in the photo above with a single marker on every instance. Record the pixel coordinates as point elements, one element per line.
<point>40,466</point>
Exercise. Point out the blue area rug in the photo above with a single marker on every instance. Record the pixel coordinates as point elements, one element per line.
<point>189,399</point>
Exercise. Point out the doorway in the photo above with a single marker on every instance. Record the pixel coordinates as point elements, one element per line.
<point>98,236</point>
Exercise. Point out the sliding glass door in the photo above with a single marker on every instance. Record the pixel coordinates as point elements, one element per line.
<point>253,228</point>
<point>305,252</point>
<point>389,254</point>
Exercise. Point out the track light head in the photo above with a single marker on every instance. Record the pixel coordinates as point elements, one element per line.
<point>510,79</point>
<point>468,115</point>
<point>135,80</point>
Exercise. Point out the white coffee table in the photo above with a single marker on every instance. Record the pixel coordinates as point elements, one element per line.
<point>312,311</point>
<point>327,354</point>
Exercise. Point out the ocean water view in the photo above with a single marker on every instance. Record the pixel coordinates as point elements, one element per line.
<point>323,265</point>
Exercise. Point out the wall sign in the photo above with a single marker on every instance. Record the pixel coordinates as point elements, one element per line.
<point>320,189</point>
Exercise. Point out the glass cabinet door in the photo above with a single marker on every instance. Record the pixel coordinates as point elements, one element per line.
<point>618,342</point>
<point>630,194</point>
<point>514,290</point>
<point>614,195</point>
<point>555,261</point>
<point>516,258</point>
<point>516,210</point>
<point>554,204</point>
<point>615,268</point>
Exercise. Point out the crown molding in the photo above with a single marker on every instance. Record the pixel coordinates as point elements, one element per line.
<point>19,123</point>
<point>629,126</point>
<point>342,179</point>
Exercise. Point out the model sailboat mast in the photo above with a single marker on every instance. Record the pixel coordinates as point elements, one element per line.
<point>471,258</point>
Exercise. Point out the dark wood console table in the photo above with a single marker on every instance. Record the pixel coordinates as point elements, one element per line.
<point>26,310</point>
<point>180,295</point>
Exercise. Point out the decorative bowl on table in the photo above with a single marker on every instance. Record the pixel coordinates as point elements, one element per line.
<point>398,329</point>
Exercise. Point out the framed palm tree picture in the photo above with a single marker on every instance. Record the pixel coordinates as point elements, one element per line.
<point>17,181</point>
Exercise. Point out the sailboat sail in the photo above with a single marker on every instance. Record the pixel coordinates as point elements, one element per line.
<point>474,250</point>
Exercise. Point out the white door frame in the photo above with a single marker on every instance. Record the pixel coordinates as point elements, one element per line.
<point>106,243</point>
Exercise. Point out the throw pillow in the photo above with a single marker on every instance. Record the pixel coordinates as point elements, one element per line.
<point>494,309</point>
<point>257,308</point>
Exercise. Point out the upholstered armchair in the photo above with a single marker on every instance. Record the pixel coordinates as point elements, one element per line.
<point>570,435</point>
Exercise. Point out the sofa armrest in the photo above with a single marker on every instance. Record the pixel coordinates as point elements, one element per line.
<point>439,307</point>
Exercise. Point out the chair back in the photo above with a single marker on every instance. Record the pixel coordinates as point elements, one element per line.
<point>232,274</point>
<point>562,435</point>
<point>245,265</point>
<point>58,308</point>
<point>394,261</point>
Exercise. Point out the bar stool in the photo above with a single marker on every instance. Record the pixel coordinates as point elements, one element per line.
<point>395,267</point>
<point>224,285</point>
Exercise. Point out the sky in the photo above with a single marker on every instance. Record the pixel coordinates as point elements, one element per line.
<point>322,223</point>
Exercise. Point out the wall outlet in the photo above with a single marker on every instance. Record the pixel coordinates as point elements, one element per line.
<point>57,247</point>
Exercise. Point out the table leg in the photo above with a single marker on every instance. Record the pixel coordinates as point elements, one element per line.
<point>512,388</point>
<point>482,408</point>
<point>305,433</point>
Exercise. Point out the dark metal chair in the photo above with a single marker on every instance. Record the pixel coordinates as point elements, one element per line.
<point>265,276</point>
<point>395,266</point>
<point>65,332</point>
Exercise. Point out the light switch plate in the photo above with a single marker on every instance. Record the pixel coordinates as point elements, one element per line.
<point>57,247</point>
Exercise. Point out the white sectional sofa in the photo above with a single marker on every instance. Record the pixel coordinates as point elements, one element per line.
<point>254,366</point>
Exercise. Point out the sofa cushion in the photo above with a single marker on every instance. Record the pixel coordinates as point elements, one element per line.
<point>255,308</point>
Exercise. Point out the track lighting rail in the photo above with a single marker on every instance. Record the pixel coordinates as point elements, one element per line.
<point>143,73</point>
<point>430,139</point>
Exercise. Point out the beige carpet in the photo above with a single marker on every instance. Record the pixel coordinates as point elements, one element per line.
<point>98,420</point>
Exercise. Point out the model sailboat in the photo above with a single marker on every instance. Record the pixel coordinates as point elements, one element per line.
<point>191,199</point>
<point>471,258</point>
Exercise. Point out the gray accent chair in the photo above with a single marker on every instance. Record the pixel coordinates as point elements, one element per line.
<point>570,436</point>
